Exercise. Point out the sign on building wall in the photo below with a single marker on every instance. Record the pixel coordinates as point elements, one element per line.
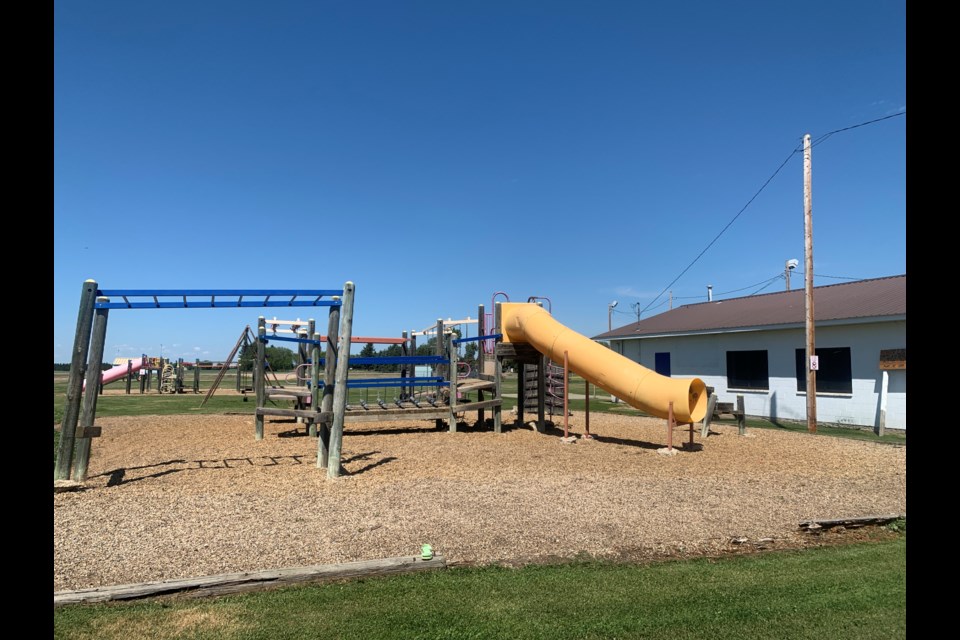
<point>891,359</point>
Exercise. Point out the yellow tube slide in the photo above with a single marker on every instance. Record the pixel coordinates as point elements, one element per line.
<point>633,383</point>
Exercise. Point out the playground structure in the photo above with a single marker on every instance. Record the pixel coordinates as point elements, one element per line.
<point>78,429</point>
<point>170,374</point>
<point>525,333</point>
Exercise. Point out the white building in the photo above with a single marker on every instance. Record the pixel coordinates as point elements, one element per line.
<point>755,347</point>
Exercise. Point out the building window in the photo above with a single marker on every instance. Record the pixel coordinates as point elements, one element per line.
<point>834,374</point>
<point>747,370</point>
<point>661,363</point>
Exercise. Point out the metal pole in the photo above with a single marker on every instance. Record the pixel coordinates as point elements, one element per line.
<point>808,277</point>
<point>670,423</point>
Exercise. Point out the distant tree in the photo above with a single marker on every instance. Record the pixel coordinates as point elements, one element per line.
<point>368,351</point>
<point>279,358</point>
<point>428,348</point>
<point>470,353</point>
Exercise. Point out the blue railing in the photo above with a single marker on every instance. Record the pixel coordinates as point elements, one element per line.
<point>155,295</point>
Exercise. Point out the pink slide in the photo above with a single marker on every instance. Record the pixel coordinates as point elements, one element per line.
<point>117,372</point>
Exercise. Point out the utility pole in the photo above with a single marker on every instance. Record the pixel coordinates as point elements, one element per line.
<point>812,364</point>
<point>786,274</point>
<point>671,300</point>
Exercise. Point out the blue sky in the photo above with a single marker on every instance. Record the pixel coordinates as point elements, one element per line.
<point>435,153</point>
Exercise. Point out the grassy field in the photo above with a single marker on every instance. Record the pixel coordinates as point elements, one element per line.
<point>153,403</point>
<point>849,591</point>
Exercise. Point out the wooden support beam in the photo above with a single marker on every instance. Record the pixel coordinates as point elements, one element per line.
<point>81,451</point>
<point>814,525</point>
<point>225,583</point>
<point>711,407</point>
<point>89,432</point>
<point>340,380</point>
<point>259,373</point>
<point>291,413</point>
<point>542,363</point>
<point>741,417</point>
<point>452,368</point>
<point>314,378</point>
<point>329,375</point>
<point>78,363</point>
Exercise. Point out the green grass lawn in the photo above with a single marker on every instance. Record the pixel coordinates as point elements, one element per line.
<point>850,592</point>
<point>152,403</point>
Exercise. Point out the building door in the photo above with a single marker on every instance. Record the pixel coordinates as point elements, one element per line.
<point>661,363</point>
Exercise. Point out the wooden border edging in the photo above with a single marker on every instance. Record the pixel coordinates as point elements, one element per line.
<point>226,583</point>
<point>813,525</point>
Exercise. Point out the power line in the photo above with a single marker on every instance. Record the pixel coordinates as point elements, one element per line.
<point>760,190</point>
<point>744,208</point>
<point>767,282</point>
<point>823,275</point>
<point>824,137</point>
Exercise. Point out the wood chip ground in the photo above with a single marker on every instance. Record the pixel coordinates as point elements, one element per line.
<point>186,496</point>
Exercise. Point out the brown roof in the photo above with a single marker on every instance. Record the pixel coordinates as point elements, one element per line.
<point>878,297</point>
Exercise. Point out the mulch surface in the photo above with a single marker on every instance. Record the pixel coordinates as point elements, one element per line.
<point>185,496</point>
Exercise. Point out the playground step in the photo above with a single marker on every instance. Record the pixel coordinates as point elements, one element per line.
<point>475,385</point>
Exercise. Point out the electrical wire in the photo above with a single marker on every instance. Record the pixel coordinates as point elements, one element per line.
<point>823,275</point>
<point>717,237</point>
<point>824,137</point>
<point>795,151</point>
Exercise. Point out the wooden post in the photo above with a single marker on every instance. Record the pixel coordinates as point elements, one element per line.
<point>808,278</point>
<point>481,331</point>
<point>239,367</point>
<point>498,372</point>
<point>711,407</point>
<point>81,453</point>
<point>329,373</point>
<point>146,377</point>
<point>566,394</point>
<point>741,416</point>
<point>78,360</point>
<point>586,408</point>
<point>884,384</point>
<point>404,368</point>
<point>196,376</point>
<point>259,382</point>
<point>452,349</point>
<point>439,351</point>
<point>314,380</point>
<point>542,363</point>
<point>340,384</point>
<point>141,375</point>
<point>129,375</point>
<point>521,393</point>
